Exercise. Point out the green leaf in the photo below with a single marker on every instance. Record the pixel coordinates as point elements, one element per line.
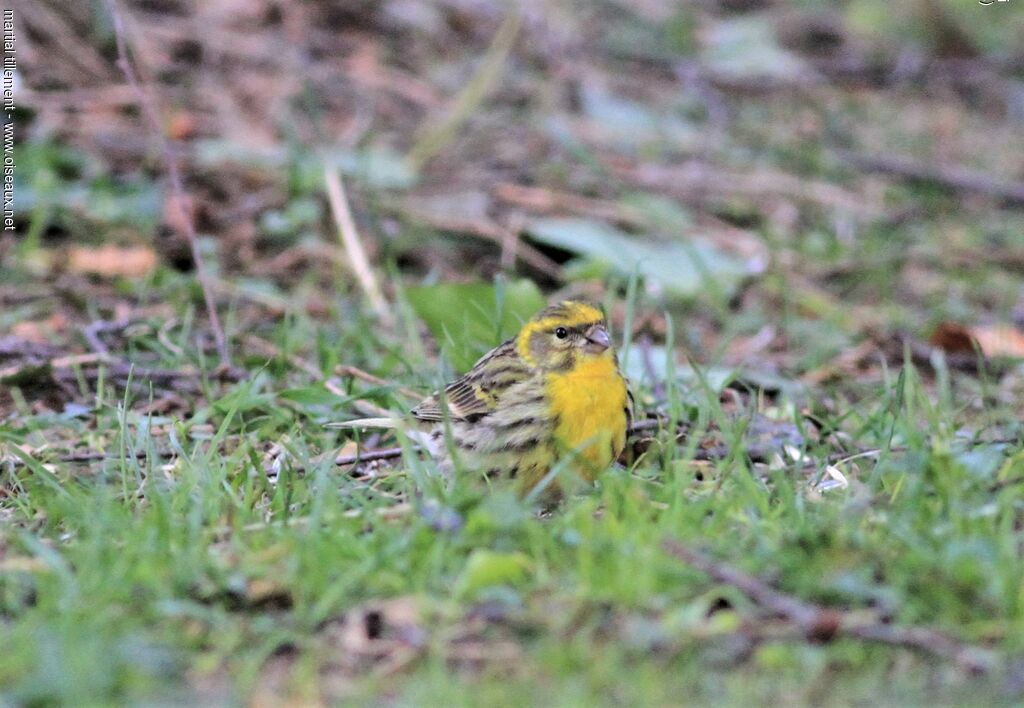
<point>379,167</point>
<point>677,269</point>
<point>746,48</point>
<point>486,569</point>
<point>612,121</point>
<point>639,366</point>
<point>310,396</point>
<point>660,213</point>
<point>374,166</point>
<point>623,123</point>
<point>468,319</point>
<point>642,367</point>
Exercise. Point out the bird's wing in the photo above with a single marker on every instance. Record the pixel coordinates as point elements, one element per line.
<point>478,392</point>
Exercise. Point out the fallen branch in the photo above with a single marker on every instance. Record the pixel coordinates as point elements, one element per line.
<point>952,177</point>
<point>824,624</point>
<point>389,453</point>
<point>123,370</point>
<point>34,369</point>
<point>174,174</point>
<point>546,200</point>
<point>698,180</point>
<point>93,330</point>
<point>93,456</point>
<point>89,365</point>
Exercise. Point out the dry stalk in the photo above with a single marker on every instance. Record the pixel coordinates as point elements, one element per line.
<point>349,235</point>
<point>174,175</point>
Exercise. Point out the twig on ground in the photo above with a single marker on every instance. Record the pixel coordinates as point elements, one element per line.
<point>88,456</point>
<point>22,293</point>
<point>544,200</point>
<point>164,339</point>
<point>125,370</point>
<point>93,330</point>
<point>646,424</point>
<point>953,177</point>
<point>174,175</point>
<point>334,388</point>
<point>13,347</point>
<point>97,456</point>
<point>356,372</point>
<point>61,368</point>
<point>73,360</point>
<point>271,350</point>
<point>275,305</point>
<point>16,371</point>
<point>839,459</point>
<point>824,624</point>
<point>94,456</point>
<point>369,409</point>
<point>695,179</point>
<point>353,246</point>
<point>389,453</point>
<point>504,236</point>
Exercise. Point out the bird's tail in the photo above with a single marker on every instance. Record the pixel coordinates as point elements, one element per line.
<point>366,423</point>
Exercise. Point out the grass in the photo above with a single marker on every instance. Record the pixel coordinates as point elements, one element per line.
<point>230,572</point>
<point>217,555</point>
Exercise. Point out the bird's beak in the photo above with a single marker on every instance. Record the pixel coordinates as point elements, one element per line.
<point>597,339</point>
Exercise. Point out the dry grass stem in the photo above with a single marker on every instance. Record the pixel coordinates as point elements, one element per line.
<point>174,175</point>
<point>437,135</point>
<point>358,259</point>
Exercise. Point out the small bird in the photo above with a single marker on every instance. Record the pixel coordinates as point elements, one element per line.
<point>553,391</point>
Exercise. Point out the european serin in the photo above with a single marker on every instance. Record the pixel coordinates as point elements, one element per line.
<point>553,391</point>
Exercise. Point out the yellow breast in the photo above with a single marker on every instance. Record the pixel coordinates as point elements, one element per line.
<point>590,402</point>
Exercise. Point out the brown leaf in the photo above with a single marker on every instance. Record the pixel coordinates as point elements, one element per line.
<point>994,341</point>
<point>378,628</point>
<point>263,592</point>
<point>1000,341</point>
<point>181,126</point>
<point>39,332</point>
<point>110,260</point>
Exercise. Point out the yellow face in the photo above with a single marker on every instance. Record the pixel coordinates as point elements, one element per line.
<point>563,335</point>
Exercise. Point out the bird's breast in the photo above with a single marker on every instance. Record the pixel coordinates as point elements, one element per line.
<point>589,402</point>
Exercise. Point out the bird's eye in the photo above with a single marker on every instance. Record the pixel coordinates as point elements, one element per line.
<point>561,332</point>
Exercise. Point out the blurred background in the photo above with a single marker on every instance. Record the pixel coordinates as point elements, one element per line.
<point>810,186</point>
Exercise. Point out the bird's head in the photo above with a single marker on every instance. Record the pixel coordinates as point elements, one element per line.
<point>562,335</point>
